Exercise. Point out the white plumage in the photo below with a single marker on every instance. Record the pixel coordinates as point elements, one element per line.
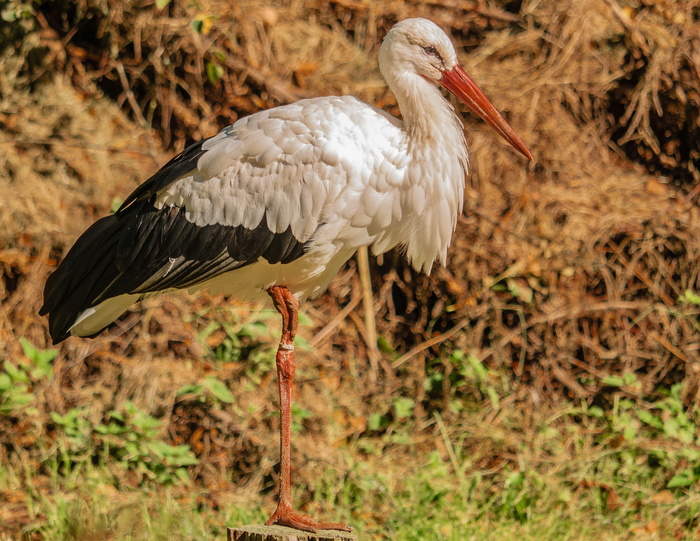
<point>275,203</point>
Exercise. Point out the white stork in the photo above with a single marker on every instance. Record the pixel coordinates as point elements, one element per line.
<point>274,204</point>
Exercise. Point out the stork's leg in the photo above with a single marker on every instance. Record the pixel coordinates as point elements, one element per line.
<point>287,305</point>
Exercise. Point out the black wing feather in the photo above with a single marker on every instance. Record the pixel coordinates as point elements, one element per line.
<point>76,282</point>
<point>143,249</point>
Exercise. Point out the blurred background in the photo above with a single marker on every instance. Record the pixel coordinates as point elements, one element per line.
<point>544,385</point>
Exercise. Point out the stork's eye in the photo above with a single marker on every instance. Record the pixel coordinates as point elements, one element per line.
<point>432,51</point>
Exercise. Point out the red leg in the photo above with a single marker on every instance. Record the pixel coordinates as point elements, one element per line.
<point>287,305</point>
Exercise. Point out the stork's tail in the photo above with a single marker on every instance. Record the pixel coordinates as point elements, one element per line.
<point>73,291</point>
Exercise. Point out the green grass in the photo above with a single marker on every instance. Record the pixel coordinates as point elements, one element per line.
<point>484,466</point>
<point>435,501</point>
<point>604,491</point>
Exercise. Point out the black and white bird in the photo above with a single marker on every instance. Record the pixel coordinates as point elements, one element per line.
<point>274,204</point>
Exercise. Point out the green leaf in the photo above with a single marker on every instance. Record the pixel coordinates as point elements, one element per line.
<point>433,381</point>
<point>493,396</point>
<point>455,406</point>
<point>629,378</point>
<point>613,381</point>
<point>119,416</point>
<point>457,358</point>
<point>183,476</point>
<point>298,416</point>
<point>403,407</point>
<point>376,421</point>
<point>181,455</point>
<point>190,388</point>
<point>256,328</point>
<point>515,480</point>
<point>671,427</point>
<point>39,357</point>
<point>650,419</point>
<point>686,435</point>
<point>218,389</point>
<point>214,72</point>
<point>5,383</point>
<point>304,320</point>
<point>145,422</point>
<point>519,290</point>
<point>160,4</point>
<point>682,479</point>
<point>626,404</point>
<point>18,398</point>
<point>402,437</point>
<point>690,297</point>
<point>116,205</point>
<point>206,331</point>
<point>385,346</point>
<point>130,408</point>
<point>132,449</point>
<point>596,411</point>
<point>15,373</point>
<point>478,367</point>
<point>159,448</point>
<point>69,420</point>
<point>301,344</point>
<point>300,413</point>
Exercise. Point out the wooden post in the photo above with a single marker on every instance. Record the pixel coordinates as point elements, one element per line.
<point>282,533</point>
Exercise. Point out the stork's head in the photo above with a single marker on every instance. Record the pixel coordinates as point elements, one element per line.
<point>420,47</point>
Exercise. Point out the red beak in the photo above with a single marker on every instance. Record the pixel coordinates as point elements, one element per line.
<point>461,85</point>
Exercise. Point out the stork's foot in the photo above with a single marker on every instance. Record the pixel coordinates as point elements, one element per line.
<point>285,516</point>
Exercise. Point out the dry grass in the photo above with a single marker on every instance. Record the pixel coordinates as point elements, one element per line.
<point>561,273</point>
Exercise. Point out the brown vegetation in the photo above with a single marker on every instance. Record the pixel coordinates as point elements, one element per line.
<point>561,273</point>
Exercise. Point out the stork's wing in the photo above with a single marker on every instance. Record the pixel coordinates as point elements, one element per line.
<point>144,250</point>
<point>192,220</point>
